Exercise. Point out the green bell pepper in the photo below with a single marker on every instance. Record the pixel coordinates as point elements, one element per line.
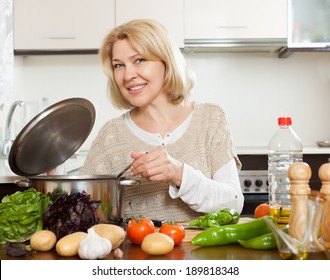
<point>215,219</point>
<point>228,234</point>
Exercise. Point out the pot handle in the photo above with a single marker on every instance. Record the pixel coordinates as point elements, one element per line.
<point>129,182</point>
<point>24,183</point>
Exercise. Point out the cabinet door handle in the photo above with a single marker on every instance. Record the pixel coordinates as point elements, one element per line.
<point>61,37</point>
<point>232,26</point>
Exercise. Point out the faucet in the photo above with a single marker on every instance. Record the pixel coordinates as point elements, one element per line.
<point>7,143</point>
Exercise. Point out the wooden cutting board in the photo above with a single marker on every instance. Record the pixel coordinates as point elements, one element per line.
<point>192,232</point>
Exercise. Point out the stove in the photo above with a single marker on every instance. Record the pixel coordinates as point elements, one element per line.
<point>254,184</point>
<point>254,181</point>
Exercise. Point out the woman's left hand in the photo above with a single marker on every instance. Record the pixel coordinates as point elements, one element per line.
<point>157,165</point>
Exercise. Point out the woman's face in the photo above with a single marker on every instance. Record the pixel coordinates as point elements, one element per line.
<point>139,80</point>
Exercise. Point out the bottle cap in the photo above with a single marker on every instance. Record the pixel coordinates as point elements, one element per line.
<point>284,121</point>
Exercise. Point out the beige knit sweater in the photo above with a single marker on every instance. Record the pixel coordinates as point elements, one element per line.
<point>206,145</point>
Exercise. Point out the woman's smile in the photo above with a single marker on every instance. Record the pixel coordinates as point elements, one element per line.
<point>136,89</point>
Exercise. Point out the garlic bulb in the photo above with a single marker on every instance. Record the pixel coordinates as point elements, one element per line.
<point>94,246</point>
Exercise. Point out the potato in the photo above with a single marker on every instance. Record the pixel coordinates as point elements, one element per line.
<point>68,245</point>
<point>157,244</point>
<point>115,234</point>
<point>43,240</point>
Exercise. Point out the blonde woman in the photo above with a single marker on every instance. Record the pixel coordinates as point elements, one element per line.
<point>183,151</point>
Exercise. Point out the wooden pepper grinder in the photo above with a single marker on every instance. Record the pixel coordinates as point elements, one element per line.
<point>299,174</point>
<point>324,174</point>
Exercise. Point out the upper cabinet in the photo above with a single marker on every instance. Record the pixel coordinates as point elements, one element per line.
<point>79,26</point>
<point>309,23</point>
<point>169,13</point>
<point>61,25</point>
<point>48,26</point>
<point>308,26</point>
<point>209,22</point>
<point>235,19</point>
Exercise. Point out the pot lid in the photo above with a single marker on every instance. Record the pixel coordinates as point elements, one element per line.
<point>52,137</point>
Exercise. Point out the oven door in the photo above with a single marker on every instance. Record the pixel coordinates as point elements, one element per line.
<point>251,201</point>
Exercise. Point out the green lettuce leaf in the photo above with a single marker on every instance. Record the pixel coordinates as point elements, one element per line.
<point>21,215</point>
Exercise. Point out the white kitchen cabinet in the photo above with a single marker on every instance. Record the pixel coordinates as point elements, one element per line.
<point>224,19</point>
<point>62,24</point>
<point>309,23</point>
<point>169,13</point>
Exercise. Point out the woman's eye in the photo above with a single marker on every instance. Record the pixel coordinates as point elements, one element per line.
<point>139,60</point>
<point>117,65</point>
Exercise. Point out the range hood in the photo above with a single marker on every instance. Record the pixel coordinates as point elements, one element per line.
<point>234,45</point>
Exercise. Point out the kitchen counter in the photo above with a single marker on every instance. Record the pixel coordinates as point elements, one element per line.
<point>185,251</point>
<point>8,178</point>
<point>256,150</point>
<point>72,166</point>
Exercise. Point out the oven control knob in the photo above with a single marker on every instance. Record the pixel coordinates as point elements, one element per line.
<point>247,183</point>
<point>259,183</point>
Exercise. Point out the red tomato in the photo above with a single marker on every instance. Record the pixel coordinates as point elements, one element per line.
<point>261,210</point>
<point>138,229</point>
<point>175,231</point>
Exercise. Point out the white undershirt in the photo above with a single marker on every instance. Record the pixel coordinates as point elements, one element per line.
<point>155,138</point>
<point>201,193</point>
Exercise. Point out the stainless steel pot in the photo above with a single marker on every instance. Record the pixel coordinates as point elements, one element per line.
<point>52,137</point>
<point>106,188</point>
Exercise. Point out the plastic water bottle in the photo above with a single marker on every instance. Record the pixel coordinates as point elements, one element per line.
<point>284,148</point>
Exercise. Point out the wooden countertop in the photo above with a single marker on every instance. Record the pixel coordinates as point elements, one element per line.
<point>185,251</point>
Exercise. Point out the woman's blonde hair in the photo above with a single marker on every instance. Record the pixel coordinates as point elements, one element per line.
<point>151,40</point>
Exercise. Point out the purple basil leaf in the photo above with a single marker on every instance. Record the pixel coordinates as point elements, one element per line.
<point>17,250</point>
<point>71,213</point>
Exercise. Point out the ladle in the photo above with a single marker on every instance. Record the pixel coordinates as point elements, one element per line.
<point>124,170</point>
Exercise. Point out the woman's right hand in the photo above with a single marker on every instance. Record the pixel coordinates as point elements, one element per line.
<point>157,165</point>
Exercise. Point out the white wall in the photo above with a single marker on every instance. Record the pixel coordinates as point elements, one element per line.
<point>254,89</point>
